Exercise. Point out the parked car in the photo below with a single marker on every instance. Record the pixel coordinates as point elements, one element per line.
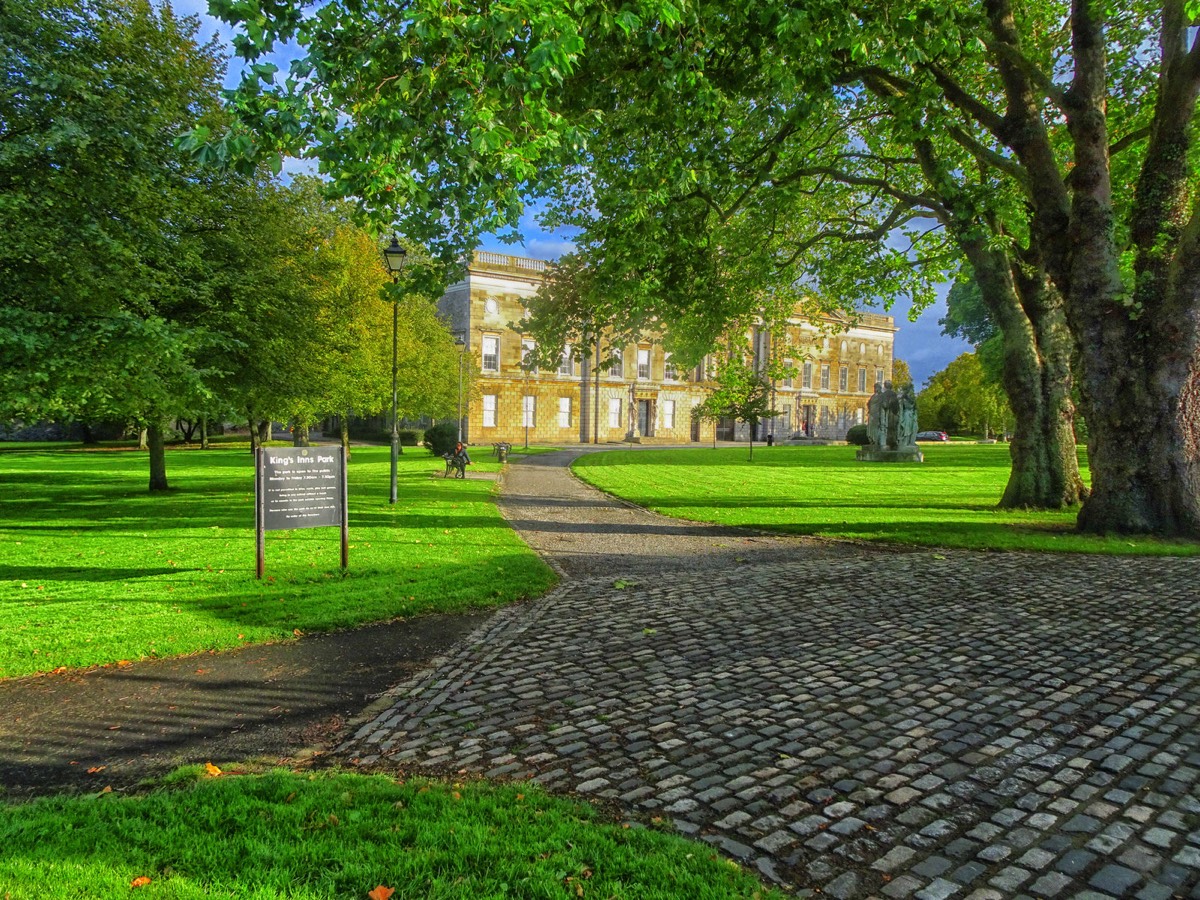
<point>932,436</point>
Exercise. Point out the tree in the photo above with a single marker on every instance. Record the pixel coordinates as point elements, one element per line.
<point>962,398</point>
<point>1013,131</point>
<point>900,374</point>
<point>95,199</point>
<point>740,393</point>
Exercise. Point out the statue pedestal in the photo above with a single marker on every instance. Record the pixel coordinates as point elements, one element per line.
<point>877,454</point>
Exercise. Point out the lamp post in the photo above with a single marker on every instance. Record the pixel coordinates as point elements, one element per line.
<point>461,344</point>
<point>395,256</point>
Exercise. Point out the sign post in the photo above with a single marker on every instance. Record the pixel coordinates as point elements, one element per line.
<point>299,487</point>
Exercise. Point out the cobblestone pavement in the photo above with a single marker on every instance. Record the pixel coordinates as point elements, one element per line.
<point>920,724</point>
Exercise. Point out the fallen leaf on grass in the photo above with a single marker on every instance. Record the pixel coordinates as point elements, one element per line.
<point>140,881</point>
<point>94,769</point>
<point>211,769</point>
<point>381,892</point>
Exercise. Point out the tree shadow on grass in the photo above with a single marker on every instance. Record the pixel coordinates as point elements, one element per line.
<point>82,573</point>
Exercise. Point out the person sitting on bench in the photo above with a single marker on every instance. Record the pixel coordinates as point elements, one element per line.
<point>459,460</point>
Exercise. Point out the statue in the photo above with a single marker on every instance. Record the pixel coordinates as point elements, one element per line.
<point>891,426</point>
<point>907,432</point>
<point>891,421</point>
<point>875,419</point>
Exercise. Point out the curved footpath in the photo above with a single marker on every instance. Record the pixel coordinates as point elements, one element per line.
<point>862,722</point>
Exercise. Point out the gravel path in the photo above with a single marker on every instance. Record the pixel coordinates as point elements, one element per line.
<point>862,722</point>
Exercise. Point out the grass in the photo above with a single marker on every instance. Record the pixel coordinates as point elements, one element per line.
<point>947,501</point>
<point>95,570</point>
<point>320,837</point>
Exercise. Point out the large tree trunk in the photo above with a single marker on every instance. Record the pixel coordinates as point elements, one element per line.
<point>1037,380</point>
<point>1143,412</point>
<point>204,433</point>
<point>1037,351</point>
<point>345,432</point>
<point>1140,353</point>
<point>158,457</point>
<point>264,432</point>
<point>300,435</point>
<point>254,442</point>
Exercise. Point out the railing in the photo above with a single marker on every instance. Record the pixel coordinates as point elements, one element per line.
<point>488,258</point>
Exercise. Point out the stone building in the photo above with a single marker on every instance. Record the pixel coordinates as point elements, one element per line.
<point>642,396</point>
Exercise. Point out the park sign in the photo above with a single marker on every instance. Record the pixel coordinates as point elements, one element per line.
<point>299,487</point>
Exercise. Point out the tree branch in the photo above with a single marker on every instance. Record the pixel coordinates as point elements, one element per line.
<point>1128,141</point>
<point>880,184</point>
<point>976,109</point>
<point>902,213</point>
<point>989,157</point>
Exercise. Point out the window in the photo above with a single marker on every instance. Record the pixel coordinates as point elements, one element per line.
<point>878,375</point>
<point>614,412</point>
<point>843,379</point>
<point>527,348</point>
<point>643,363</point>
<point>669,371</point>
<point>787,379</point>
<point>843,348</point>
<point>862,379</point>
<point>567,366</point>
<point>825,377</point>
<point>564,412</point>
<point>617,367</point>
<point>668,409</point>
<point>489,410</point>
<point>807,375</point>
<point>491,353</point>
<point>529,411</point>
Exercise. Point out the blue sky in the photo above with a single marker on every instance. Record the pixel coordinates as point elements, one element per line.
<point>920,342</point>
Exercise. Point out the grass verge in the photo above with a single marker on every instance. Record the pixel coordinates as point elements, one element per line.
<point>947,501</point>
<point>319,837</point>
<point>95,570</point>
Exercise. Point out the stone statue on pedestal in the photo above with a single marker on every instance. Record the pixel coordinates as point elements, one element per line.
<point>892,426</point>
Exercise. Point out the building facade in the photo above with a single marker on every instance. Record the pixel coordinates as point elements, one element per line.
<point>642,396</point>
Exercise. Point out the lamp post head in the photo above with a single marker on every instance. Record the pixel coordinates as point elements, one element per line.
<point>395,256</point>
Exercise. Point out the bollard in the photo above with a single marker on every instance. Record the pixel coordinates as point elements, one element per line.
<point>502,453</point>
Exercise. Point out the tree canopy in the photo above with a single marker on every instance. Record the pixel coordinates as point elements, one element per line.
<point>716,158</point>
<point>139,284</point>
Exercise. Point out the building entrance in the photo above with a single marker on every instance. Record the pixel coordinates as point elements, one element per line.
<point>645,418</point>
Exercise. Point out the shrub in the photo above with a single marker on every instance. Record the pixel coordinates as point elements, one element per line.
<point>859,434</point>
<point>441,438</point>
<point>408,438</point>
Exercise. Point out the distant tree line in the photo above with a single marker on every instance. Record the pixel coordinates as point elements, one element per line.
<point>143,285</point>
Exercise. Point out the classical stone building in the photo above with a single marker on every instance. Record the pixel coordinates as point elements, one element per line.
<point>642,396</point>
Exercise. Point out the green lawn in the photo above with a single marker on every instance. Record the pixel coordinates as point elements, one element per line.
<point>340,837</point>
<point>93,569</point>
<point>947,501</point>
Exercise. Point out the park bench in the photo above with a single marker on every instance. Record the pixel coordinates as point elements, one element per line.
<point>455,465</point>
